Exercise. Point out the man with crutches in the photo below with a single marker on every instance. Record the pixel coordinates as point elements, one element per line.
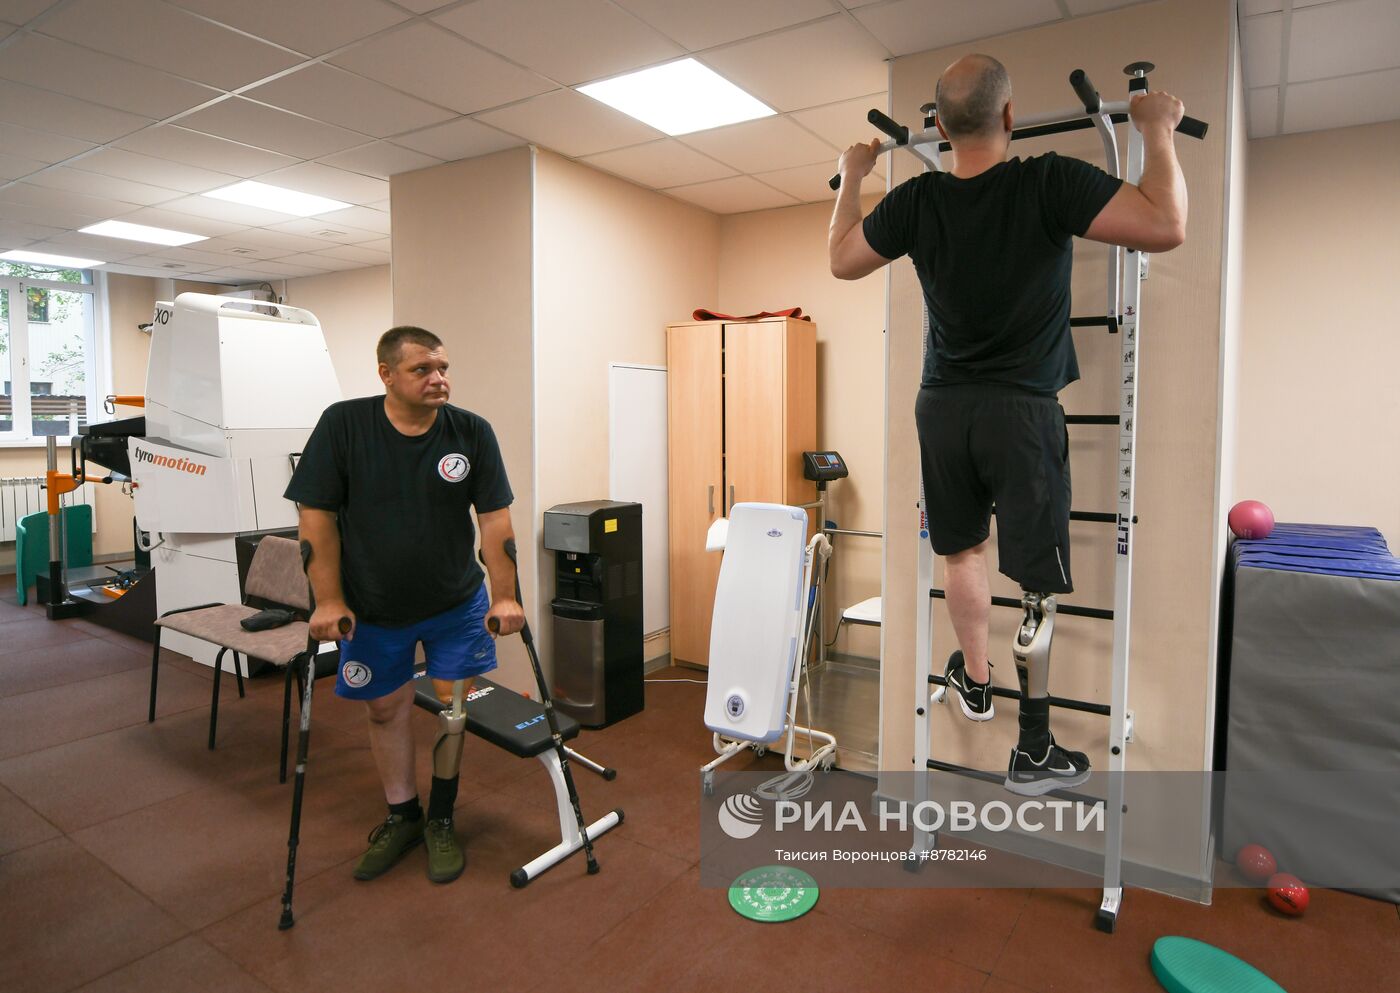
<point>385,488</point>
<point>991,243</point>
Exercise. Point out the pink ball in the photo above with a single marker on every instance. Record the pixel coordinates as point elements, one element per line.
<point>1251,519</point>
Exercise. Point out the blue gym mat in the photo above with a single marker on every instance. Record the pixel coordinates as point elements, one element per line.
<point>1327,550</point>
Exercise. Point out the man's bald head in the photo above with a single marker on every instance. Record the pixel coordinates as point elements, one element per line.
<point>971,95</point>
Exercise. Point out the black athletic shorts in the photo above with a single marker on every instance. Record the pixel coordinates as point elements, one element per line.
<point>982,446</point>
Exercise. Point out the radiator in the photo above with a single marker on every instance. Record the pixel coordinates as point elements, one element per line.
<point>21,496</point>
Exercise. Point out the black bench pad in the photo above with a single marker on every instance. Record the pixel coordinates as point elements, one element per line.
<point>501,716</point>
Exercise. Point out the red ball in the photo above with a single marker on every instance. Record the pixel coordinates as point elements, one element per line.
<point>1251,519</point>
<point>1256,863</point>
<point>1288,894</point>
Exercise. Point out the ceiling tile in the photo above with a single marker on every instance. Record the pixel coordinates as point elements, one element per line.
<point>763,145</point>
<point>42,61</point>
<point>311,26</point>
<point>223,210</point>
<point>907,26</point>
<point>205,151</point>
<point>571,123</point>
<point>812,183</point>
<point>169,267</point>
<point>167,38</point>
<point>64,115</point>
<point>844,123</point>
<point>1337,103</point>
<point>381,159</point>
<point>122,164</point>
<point>571,41</point>
<point>704,25</point>
<point>23,11</point>
<point>6,30</point>
<point>49,198</point>
<point>310,264</point>
<point>382,245</point>
<point>329,94</point>
<point>14,234</point>
<point>88,246</point>
<point>1262,112</point>
<point>1261,49</point>
<point>661,163</point>
<point>48,216</point>
<point>161,217</point>
<point>42,145</point>
<point>1344,38</point>
<point>1251,7</point>
<point>13,167</point>
<point>805,66</point>
<point>197,255</point>
<point>1078,8</point>
<point>327,181</point>
<point>264,243</point>
<point>355,253</point>
<point>96,185</point>
<point>326,230</point>
<point>270,128</point>
<point>237,275</point>
<point>463,138</point>
<point>733,196</point>
<point>437,65</point>
<point>363,218</point>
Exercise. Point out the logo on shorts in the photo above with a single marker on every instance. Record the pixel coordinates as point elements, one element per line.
<point>355,674</point>
<point>454,467</point>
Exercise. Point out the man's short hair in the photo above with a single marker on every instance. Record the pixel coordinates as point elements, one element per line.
<point>391,342</point>
<point>973,106</point>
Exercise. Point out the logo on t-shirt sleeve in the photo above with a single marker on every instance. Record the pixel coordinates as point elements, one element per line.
<point>454,467</point>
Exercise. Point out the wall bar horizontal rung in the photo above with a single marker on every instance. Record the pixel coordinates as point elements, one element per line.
<point>992,777</point>
<point>1064,703</point>
<point>1093,515</point>
<point>1060,608</point>
<point>1091,418</point>
<point>1095,322</point>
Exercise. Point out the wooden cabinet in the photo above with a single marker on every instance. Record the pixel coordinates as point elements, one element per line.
<point>742,408</point>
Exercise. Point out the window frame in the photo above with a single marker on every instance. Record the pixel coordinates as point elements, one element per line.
<point>97,371</point>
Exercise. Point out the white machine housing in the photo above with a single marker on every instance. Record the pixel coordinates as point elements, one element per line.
<point>231,394</point>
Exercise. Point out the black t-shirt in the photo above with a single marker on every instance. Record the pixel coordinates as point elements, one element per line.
<point>993,253</point>
<point>406,534</point>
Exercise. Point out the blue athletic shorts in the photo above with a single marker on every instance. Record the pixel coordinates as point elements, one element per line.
<point>379,660</point>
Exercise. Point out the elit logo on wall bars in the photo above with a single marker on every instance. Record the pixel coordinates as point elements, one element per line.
<point>166,462</point>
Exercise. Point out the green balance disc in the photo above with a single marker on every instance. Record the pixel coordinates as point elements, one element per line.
<point>773,893</point>
<point>1184,965</point>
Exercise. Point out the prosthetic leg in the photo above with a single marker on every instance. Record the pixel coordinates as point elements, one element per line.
<point>1032,645</point>
<point>1044,766</point>
<point>447,747</point>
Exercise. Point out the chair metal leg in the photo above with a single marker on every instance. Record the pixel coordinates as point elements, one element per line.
<point>214,704</point>
<point>155,668</point>
<point>286,717</point>
<point>238,672</point>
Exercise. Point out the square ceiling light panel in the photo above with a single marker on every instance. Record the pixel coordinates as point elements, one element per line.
<point>678,98</point>
<point>43,258</point>
<point>255,194</point>
<point>143,232</point>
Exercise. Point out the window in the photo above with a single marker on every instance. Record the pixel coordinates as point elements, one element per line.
<point>48,351</point>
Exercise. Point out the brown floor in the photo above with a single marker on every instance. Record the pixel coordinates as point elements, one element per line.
<point>131,858</point>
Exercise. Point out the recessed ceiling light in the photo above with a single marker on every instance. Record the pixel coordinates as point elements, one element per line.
<point>44,258</point>
<point>255,194</point>
<point>142,232</point>
<point>678,98</point>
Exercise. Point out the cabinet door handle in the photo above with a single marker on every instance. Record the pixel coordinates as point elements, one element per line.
<point>712,498</point>
<point>731,496</point>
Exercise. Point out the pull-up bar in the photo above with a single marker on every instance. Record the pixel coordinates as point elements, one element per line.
<point>1034,126</point>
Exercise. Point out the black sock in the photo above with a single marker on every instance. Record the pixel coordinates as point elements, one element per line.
<point>1035,725</point>
<point>409,810</point>
<point>442,799</point>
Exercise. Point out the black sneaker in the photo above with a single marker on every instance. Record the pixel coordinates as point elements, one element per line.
<point>1056,769</point>
<point>976,698</point>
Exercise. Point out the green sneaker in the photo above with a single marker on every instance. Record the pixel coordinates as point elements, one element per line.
<point>387,844</point>
<point>445,857</point>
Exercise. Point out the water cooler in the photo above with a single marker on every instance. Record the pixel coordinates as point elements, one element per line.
<point>597,609</point>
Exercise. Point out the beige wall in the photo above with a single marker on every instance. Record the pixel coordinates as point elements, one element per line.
<point>772,259</point>
<point>462,266</point>
<point>1318,401</point>
<point>614,263</point>
<point>1173,624</point>
<point>354,308</point>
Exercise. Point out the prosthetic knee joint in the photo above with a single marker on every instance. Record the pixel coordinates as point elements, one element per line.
<point>447,749</point>
<point>1031,646</point>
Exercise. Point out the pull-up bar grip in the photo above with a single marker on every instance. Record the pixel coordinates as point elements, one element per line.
<point>899,132</point>
<point>1085,91</point>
